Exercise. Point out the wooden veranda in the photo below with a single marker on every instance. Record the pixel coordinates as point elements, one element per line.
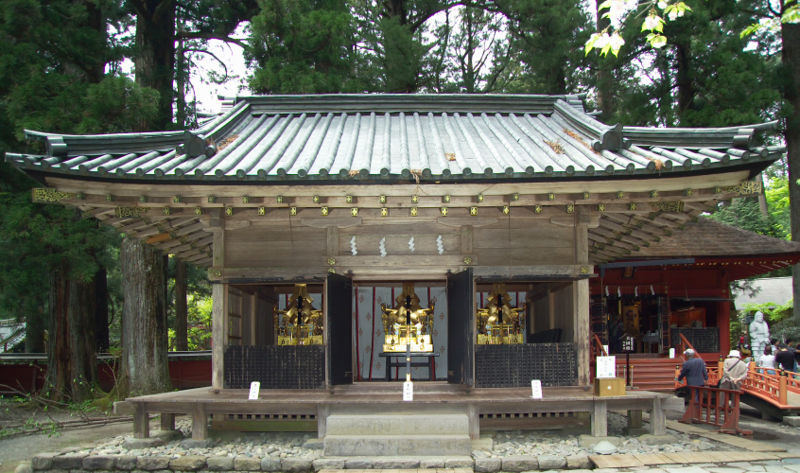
<point>495,408</point>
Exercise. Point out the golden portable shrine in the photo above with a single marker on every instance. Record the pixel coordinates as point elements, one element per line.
<point>300,323</point>
<point>408,325</point>
<point>498,322</point>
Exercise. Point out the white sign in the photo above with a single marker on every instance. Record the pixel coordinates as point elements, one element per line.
<point>536,388</point>
<point>408,391</point>
<point>672,353</point>
<point>606,367</point>
<point>254,387</point>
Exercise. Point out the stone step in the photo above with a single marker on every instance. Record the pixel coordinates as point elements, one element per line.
<point>397,445</point>
<point>397,424</point>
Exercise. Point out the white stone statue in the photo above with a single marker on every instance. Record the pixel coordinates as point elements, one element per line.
<point>759,335</point>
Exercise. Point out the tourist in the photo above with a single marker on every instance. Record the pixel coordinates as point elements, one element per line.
<point>784,359</point>
<point>734,371</point>
<point>767,360</point>
<point>796,357</point>
<point>694,369</point>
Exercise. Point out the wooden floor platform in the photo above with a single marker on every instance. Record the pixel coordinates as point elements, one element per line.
<point>499,403</point>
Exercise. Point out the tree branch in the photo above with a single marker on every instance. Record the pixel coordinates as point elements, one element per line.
<point>199,35</point>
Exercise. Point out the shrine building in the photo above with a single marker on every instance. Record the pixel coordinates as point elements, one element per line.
<point>340,231</point>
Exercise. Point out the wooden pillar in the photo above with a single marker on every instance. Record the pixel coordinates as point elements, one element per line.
<point>219,308</point>
<point>167,422</point>
<point>219,319</point>
<point>199,422</point>
<point>724,325</point>
<point>634,419</point>
<point>658,419</point>
<point>580,297</point>
<point>141,422</point>
<point>599,418</point>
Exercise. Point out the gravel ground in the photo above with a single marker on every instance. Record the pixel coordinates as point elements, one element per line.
<point>291,444</point>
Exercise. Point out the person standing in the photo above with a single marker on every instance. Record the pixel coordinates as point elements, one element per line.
<point>767,360</point>
<point>784,359</point>
<point>734,371</point>
<point>693,369</point>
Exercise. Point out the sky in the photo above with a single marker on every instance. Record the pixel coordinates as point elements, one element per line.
<point>205,89</point>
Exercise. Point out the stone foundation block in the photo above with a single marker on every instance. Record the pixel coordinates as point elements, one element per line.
<point>432,462</point>
<point>579,462</point>
<point>246,464</point>
<point>328,464</point>
<point>43,461</point>
<point>222,463</point>
<point>99,462</point>
<point>395,463</point>
<point>270,464</point>
<point>552,462</point>
<point>125,462</point>
<point>459,462</point>
<point>358,463</point>
<point>487,465</point>
<point>187,463</point>
<point>794,421</point>
<point>518,463</point>
<point>152,463</point>
<point>297,465</point>
<point>69,461</point>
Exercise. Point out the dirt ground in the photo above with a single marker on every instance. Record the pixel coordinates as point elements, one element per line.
<point>16,418</point>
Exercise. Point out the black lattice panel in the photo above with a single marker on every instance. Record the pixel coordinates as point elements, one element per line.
<point>704,340</point>
<point>275,367</point>
<point>504,366</point>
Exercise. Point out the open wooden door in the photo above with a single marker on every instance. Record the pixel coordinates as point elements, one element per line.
<point>339,327</point>
<point>460,328</point>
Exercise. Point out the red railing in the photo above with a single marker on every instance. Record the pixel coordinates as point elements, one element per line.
<point>683,345</point>
<point>714,406</point>
<point>597,346</point>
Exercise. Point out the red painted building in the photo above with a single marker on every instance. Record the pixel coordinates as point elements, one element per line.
<point>681,284</point>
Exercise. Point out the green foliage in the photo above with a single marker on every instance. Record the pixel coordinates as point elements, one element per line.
<point>303,47</point>
<point>705,76</point>
<point>198,323</point>
<point>546,34</point>
<point>777,193</point>
<point>745,213</point>
<point>779,316</point>
<point>115,105</point>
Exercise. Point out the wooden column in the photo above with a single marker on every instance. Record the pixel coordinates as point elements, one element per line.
<point>219,308</point>
<point>580,297</point>
<point>141,422</point>
<point>599,418</point>
<point>658,419</point>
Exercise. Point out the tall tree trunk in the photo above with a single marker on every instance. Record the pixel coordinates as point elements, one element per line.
<point>790,37</point>
<point>34,331</point>
<point>684,81</point>
<point>154,59</point>
<point>181,315</point>
<point>101,310</point>
<point>72,362</point>
<point>144,319</point>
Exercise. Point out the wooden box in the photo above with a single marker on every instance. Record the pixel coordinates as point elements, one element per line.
<point>609,386</point>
